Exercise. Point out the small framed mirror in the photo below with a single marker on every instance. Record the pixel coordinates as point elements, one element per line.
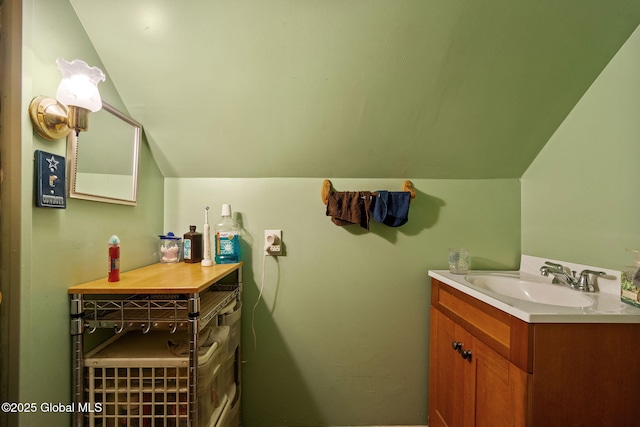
<point>102,163</point>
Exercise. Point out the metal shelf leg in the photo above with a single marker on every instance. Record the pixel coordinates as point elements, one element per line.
<point>194,326</point>
<point>77,356</point>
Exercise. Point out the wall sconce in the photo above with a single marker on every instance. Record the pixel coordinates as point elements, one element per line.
<point>77,95</point>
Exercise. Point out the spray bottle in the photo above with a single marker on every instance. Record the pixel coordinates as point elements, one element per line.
<point>206,256</point>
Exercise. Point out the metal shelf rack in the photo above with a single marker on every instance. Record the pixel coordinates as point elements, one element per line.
<point>168,297</point>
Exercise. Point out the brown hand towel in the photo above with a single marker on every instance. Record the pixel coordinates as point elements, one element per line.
<point>349,207</point>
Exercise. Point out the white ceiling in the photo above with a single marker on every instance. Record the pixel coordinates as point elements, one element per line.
<point>352,88</point>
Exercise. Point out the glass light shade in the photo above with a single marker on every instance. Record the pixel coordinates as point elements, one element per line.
<point>79,85</point>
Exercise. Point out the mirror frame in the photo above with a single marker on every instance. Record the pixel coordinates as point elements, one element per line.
<point>72,163</point>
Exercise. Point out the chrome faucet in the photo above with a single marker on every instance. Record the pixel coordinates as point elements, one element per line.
<point>561,276</point>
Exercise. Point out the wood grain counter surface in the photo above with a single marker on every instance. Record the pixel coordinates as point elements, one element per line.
<point>178,278</point>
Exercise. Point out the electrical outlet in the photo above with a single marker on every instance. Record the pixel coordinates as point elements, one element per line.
<point>273,242</point>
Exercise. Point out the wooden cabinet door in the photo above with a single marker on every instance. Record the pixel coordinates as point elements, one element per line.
<point>501,390</point>
<point>450,394</point>
<point>483,389</point>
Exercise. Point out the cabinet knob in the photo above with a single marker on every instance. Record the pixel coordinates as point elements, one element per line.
<point>457,345</point>
<point>466,354</point>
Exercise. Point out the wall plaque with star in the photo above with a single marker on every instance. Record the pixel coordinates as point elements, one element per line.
<point>50,180</point>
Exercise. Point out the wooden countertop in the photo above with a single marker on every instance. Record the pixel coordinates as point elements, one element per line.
<point>179,278</point>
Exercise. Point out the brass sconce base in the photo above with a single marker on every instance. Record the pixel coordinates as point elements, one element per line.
<point>49,118</point>
<point>52,120</point>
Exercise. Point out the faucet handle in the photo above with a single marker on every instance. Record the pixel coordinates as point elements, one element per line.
<point>558,266</point>
<point>553,264</point>
<point>586,273</point>
<point>584,283</point>
<point>597,273</point>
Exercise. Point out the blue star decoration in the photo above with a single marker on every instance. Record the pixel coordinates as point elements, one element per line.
<point>53,163</point>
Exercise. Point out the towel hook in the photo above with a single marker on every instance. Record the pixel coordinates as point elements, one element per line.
<point>173,326</point>
<point>327,186</point>
<point>408,187</point>
<point>147,327</point>
<point>120,328</point>
<point>90,329</point>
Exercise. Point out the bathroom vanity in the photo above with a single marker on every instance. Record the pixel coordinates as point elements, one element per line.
<point>498,361</point>
<point>133,378</point>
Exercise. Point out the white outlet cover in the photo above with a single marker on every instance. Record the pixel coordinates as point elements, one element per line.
<point>277,242</point>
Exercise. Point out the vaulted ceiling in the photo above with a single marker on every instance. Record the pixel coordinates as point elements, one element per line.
<point>353,88</point>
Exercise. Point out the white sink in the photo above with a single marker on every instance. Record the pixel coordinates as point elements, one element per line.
<point>530,290</point>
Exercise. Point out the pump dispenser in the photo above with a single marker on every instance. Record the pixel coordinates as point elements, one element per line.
<point>227,235</point>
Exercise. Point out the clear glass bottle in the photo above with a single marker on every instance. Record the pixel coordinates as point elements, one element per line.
<point>227,238</point>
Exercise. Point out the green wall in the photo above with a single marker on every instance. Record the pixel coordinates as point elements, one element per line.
<point>61,248</point>
<point>580,196</point>
<point>342,324</point>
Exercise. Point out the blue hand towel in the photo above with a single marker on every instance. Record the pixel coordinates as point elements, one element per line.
<point>391,207</point>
